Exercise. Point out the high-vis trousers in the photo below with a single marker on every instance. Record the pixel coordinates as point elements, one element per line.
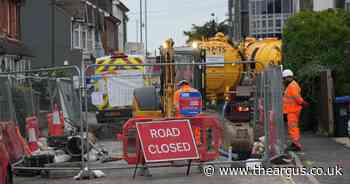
<point>293,127</point>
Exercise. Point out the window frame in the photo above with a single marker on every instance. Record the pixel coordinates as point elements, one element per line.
<point>83,37</point>
<point>76,37</point>
<point>90,39</point>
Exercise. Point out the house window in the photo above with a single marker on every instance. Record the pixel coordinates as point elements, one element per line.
<point>270,23</point>
<point>76,35</point>
<point>11,64</point>
<point>13,20</point>
<point>16,65</point>
<point>258,24</point>
<point>90,12</point>
<point>278,23</point>
<point>21,65</point>
<point>6,64</point>
<point>83,38</point>
<point>90,39</point>
<point>27,65</point>
<point>20,68</point>
<point>254,24</point>
<point>24,64</point>
<point>2,64</point>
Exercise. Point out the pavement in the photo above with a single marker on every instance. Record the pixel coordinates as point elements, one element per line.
<point>325,152</point>
<point>319,152</point>
<point>172,175</point>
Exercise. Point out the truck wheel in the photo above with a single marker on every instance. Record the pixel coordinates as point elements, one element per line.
<point>9,176</point>
<point>147,98</point>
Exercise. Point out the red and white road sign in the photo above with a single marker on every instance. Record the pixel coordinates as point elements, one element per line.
<point>167,140</point>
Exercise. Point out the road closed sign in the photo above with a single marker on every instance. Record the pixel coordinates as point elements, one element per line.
<point>167,140</point>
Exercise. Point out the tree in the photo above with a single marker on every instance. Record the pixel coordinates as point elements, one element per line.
<point>209,29</point>
<point>314,41</point>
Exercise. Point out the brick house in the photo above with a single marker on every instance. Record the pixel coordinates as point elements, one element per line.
<point>14,55</point>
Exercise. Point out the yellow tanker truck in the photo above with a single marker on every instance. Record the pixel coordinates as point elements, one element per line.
<point>266,51</point>
<point>233,83</point>
<point>218,50</point>
<point>221,78</point>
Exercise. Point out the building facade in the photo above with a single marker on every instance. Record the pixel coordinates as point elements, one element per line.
<point>266,18</point>
<point>240,17</point>
<point>94,27</point>
<point>46,28</point>
<point>70,32</point>
<point>347,5</point>
<point>319,5</point>
<point>14,55</point>
<point>120,12</point>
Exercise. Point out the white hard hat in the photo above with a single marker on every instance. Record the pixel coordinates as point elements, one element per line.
<point>287,73</point>
<point>182,82</point>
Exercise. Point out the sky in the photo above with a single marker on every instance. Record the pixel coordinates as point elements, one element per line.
<point>169,18</point>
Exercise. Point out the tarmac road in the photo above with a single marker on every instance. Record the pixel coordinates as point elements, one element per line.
<point>165,176</point>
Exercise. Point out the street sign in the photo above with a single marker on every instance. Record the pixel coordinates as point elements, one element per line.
<point>167,140</point>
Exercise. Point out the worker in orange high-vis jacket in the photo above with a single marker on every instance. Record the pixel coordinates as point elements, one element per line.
<point>293,103</point>
<point>187,100</point>
<point>188,103</point>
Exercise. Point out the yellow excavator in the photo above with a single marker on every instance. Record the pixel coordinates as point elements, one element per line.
<point>157,103</point>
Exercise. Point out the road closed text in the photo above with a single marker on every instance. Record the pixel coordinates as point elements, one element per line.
<point>167,140</point>
<point>168,147</point>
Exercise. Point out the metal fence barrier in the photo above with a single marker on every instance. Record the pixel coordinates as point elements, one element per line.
<point>268,111</point>
<point>94,88</point>
<point>77,96</point>
<point>35,95</point>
